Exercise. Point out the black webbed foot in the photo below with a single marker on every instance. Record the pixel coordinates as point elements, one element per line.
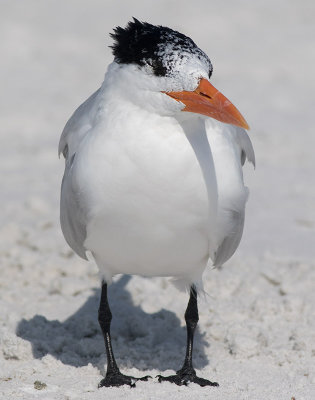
<point>185,376</point>
<point>118,379</point>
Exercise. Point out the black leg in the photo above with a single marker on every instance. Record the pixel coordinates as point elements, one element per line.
<point>113,375</point>
<point>187,373</point>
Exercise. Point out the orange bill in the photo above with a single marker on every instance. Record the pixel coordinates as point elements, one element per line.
<point>207,100</point>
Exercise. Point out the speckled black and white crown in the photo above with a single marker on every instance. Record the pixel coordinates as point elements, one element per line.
<point>159,47</point>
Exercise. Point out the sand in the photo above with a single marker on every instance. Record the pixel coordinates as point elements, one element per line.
<point>256,334</point>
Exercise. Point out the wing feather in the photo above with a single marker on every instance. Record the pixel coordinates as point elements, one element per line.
<point>245,145</point>
<point>78,125</point>
<point>72,217</point>
<point>232,206</point>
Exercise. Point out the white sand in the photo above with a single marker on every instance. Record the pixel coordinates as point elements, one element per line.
<point>257,327</point>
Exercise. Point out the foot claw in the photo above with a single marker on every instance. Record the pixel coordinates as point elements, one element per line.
<point>185,376</point>
<point>118,379</point>
<point>144,378</point>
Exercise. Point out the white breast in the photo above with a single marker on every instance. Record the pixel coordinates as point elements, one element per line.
<point>146,199</point>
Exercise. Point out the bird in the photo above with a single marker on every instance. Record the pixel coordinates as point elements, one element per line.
<point>153,182</point>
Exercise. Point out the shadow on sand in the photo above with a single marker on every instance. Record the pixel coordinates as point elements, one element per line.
<point>141,340</point>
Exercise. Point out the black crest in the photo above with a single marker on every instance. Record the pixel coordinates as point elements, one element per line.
<point>157,46</point>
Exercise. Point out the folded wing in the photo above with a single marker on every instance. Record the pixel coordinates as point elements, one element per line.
<point>72,217</point>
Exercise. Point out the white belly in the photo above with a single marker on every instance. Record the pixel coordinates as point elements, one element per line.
<point>146,202</point>
<point>146,199</point>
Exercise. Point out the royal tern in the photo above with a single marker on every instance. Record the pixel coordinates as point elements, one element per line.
<point>153,181</point>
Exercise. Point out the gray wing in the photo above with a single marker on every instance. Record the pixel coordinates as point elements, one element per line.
<point>72,216</point>
<point>245,145</point>
<point>230,243</point>
<point>78,125</point>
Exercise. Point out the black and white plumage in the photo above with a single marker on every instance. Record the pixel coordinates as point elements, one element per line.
<point>149,189</point>
<point>158,47</point>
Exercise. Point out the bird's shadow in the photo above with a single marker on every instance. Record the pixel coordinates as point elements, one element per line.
<point>141,340</point>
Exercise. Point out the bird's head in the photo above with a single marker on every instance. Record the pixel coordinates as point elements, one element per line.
<point>161,68</point>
